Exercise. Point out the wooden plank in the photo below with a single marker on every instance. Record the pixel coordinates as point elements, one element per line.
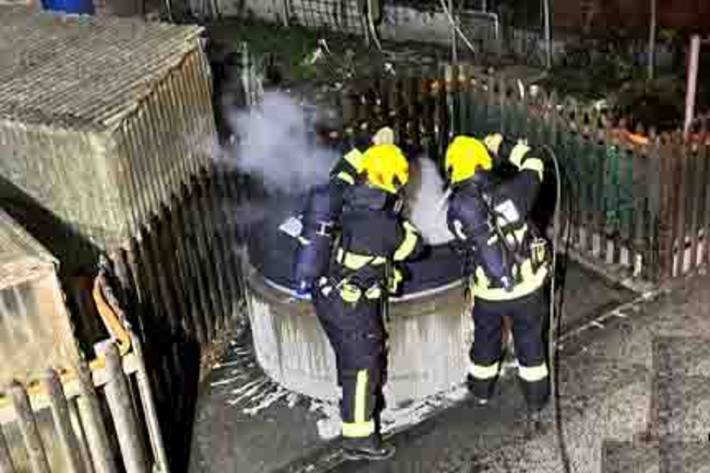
<point>228,198</point>
<point>28,428</point>
<point>695,194</point>
<point>596,213</point>
<point>6,464</point>
<point>171,261</point>
<point>628,207</point>
<point>62,423</point>
<point>183,235</point>
<point>640,237</point>
<point>220,250</point>
<point>680,174</point>
<point>666,213</point>
<point>706,197</point>
<point>201,223</point>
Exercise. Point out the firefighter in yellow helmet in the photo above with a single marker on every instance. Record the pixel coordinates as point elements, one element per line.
<point>349,298</point>
<point>489,217</point>
<point>321,214</point>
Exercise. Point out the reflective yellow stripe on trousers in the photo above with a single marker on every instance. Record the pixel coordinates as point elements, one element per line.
<point>360,427</point>
<point>532,374</point>
<point>483,372</point>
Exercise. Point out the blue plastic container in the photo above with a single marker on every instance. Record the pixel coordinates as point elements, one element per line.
<point>70,6</point>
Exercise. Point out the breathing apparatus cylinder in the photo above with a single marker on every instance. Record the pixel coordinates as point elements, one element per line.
<point>472,221</point>
<point>319,221</point>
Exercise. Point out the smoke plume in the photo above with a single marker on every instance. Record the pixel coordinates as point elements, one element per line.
<point>275,143</point>
<point>425,197</point>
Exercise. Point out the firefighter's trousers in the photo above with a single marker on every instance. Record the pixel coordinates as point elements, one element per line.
<point>357,334</point>
<point>527,314</point>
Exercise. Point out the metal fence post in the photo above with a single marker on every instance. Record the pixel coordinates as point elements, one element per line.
<point>124,419</point>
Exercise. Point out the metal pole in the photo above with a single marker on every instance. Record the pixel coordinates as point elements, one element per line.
<point>692,82</point>
<point>149,409</point>
<point>124,419</point>
<point>454,49</point>
<point>652,41</point>
<point>94,427</point>
<point>548,40</point>
<point>286,12</point>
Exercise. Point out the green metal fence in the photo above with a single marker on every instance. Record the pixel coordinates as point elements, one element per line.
<point>637,205</point>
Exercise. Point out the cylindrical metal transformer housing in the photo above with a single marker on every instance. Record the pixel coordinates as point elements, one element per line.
<point>429,335</point>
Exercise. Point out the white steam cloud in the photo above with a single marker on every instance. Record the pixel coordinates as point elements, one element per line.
<point>274,143</point>
<point>425,195</point>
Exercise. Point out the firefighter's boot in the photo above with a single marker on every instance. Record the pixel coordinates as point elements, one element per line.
<point>367,448</point>
<point>535,423</point>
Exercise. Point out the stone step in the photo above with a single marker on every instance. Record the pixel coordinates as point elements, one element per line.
<point>625,457</point>
<point>628,457</point>
<point>681,356</point>
<point>681,389</point>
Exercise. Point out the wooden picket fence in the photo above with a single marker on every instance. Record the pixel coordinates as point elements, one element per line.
<point>636,204</point>
<point>93,416</point>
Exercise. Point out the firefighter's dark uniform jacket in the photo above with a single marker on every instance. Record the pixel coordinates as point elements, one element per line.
<point>349,299</point>
<point>489,218</point>
<point>320,219</point>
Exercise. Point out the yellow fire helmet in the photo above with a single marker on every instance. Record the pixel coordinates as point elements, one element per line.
<point>463,158</point>
<point>386,167</point>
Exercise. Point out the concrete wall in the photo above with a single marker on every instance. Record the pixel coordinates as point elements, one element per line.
<point>633,14</point>
<point>399,22</point>
<point>266,10</point>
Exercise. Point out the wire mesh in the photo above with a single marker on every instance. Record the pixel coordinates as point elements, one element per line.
<point>341,15</point>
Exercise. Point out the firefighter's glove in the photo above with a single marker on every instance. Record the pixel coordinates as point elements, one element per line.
<point>493,142</point>
<point>507,283</point>
<point>384,136</point>
<point>304,289</point>
<point>518,154</point>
